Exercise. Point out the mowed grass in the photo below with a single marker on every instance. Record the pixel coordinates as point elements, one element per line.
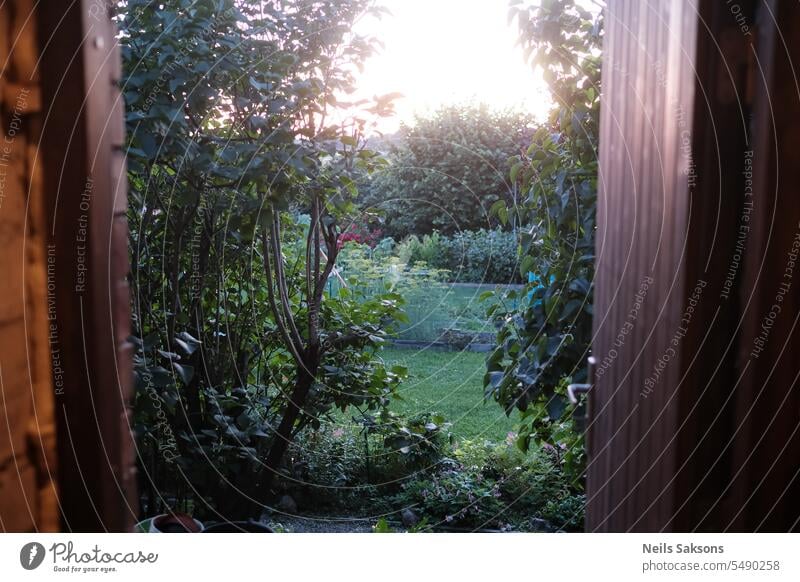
<point>450,383</point>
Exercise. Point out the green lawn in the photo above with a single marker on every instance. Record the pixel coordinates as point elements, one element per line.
<point>450,383</point>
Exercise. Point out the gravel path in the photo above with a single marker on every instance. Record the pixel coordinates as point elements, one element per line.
<point>298,524</point>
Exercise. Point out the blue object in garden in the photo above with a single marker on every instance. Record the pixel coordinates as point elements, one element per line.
<point>534,278</point>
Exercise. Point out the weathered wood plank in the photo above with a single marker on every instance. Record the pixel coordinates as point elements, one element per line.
<point>86,207</point>
<point>27,442</point>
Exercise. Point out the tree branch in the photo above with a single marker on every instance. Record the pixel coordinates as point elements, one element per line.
<point>294,349</point>
<point>283,291</point>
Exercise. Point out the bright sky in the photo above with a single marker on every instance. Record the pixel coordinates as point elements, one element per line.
<point>449,51</point>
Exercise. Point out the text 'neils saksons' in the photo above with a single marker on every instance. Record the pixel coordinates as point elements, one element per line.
<point>664,548</point>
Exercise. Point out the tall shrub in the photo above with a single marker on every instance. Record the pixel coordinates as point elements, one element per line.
<point>543,345</point>
<point>238,348</point>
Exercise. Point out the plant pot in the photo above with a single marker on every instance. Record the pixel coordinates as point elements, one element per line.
<point>238,527</point>
<point>170,523</point>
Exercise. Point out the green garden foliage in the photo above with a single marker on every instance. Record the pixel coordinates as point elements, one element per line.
<point>479,256</point>
<point>258,327</point>
<point>437,309</point>
<point>447,171</point>
<point>494,486</point>
<point>464,485</point>
<point>543,345</point>
<point>239,349</point>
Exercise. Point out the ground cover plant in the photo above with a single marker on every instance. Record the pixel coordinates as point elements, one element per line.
<point>461,485</point>
<point>462,470</point>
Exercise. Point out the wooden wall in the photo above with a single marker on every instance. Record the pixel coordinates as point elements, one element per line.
<point>696,406</point>
<point>65,362</point>
<point>27,431</point>
<point>82,143</point>
<point>648,90</point>
<point>763,488</point>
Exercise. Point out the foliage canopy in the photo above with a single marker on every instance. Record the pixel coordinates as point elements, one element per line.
<point>448,169</point>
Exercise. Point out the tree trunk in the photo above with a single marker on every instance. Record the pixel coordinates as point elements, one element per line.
<point>306,375</point>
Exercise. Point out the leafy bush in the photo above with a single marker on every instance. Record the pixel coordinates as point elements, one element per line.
<point>328,467</point>
<point>481,256</point>
<point>566,510</point>
<point>418,441</point>
<point>447,170</point>
<point>386,463</point>
<point>495,485</point>
<point>530,482</point>
<point>429,249</point>
<point>352,466</point>
<point>238,348</point>
<point>361,234</point>
<point>454,496</point>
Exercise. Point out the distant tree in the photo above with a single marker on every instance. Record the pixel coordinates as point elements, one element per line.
<point>448,169</point>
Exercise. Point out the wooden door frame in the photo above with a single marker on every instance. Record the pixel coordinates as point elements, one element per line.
<point>82,140</point>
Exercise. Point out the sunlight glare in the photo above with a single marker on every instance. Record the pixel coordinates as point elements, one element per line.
<point>439,52</point>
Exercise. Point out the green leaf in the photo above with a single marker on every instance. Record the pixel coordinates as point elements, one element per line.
<point>556,407</point>
<point>187,342</point>
<point>526,265</point>
<point>185,371</point>
<point>496,378</point>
